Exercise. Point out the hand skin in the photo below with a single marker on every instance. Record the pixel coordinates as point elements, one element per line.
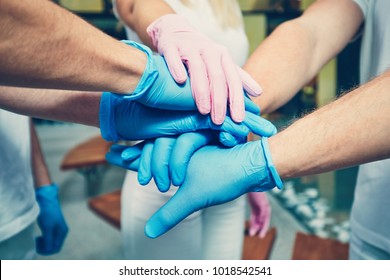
<point>313,39</point>
<point>139,14</point>
<point>73,55</point>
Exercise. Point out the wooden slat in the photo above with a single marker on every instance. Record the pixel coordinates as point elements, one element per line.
<point>108,207</point>
<point>258,249</point>
<point>310,247</point>
<point>89,153</point>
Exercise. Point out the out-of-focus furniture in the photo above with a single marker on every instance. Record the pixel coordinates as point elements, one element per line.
<point>88,158</point>
<point>311,247</point>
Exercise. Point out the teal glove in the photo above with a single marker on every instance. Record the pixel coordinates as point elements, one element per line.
<point>122,119</point>
<point>164,159</point>
<point>51,221</point>
<point>158,89</point>
<point>215,175</point>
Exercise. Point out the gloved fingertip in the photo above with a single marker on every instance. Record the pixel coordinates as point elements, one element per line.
<point>152,230</point>
<point>228,142</point>
<point>239,116</point>
<point>252,232</point>
<point>203,107</point>
<point>179,77</point>
<point>217,119</point>
<point>254,89</point>
<point>177,179</point>
<point>163,187</point>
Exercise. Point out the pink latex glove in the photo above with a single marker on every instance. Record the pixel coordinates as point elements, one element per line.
<point>215,78</point>
<point>260,214</point>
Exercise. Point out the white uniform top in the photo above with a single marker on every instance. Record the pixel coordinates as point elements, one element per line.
<point>370,217</point>
<point>201,16</point>
<point>18,208</point>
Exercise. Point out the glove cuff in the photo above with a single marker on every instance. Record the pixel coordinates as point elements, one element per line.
<point>270,165</point>
<point>107,117</point>
<point>46,191</point>
<point>150,73</point>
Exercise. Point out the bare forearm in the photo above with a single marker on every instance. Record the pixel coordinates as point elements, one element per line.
<point>294,53</point>
<point>139,14</point>
<point>43,45</point>
<point>352,130</point>
<point>39,168</point>
<point>68,106</point>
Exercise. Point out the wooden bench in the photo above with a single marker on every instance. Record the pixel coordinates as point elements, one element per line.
<point>89,159</point>
<point>311,247</point>
<point>108,207</point>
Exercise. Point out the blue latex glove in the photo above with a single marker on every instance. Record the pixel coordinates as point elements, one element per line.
<point>50,220</point>
<point>158,89</point>
<point>164,159</point>
<point>123,119</point>
<point>217,175</point>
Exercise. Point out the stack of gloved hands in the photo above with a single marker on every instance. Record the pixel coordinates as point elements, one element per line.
<point>207,158</point>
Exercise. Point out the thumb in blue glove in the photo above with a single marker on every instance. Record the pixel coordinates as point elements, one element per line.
<point>50,220</point>
<point>217,175</point>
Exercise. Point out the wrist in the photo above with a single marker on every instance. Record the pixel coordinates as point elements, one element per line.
<point>45,191</point>
<point>149,74</point>
<point>164,23</point>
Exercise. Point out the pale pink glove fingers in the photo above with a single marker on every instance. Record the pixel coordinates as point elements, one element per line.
<point>218,86</point>
<point>260,214</point>
<point>265,226</point>
<point>199,84</point>
<point>249,84</point>
<point>235,90</point>
<point>175,64</point>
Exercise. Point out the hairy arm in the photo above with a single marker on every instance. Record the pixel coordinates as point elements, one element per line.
<point>43,45</point>
<point>295,52</point>
<point>139,14</point>
<point>352,130</point>
<point>59,105</point>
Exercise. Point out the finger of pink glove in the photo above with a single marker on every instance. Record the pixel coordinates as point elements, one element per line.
<point>254,226</point>
<point>199,83</point>
<point>218,86</point>
<point>249,84</point>
<point>235,90</point>
<point>175,64</point>
<point>265,225</point>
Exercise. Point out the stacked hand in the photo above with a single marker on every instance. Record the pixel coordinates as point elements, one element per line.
<point>157,89</point>
<point>214,174</point>
<point>215,78</point>
<point>123,119</point>
<point>50,220</point>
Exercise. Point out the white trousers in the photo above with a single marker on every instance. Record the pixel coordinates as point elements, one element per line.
<point>213,233</point>
<point>20,246</point>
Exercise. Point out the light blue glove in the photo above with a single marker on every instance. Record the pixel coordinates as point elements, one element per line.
<point>164,159</point>
<point>50,220</point>
<point>123,119</point>
<point>158,89</point>
<point>217,175</point>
